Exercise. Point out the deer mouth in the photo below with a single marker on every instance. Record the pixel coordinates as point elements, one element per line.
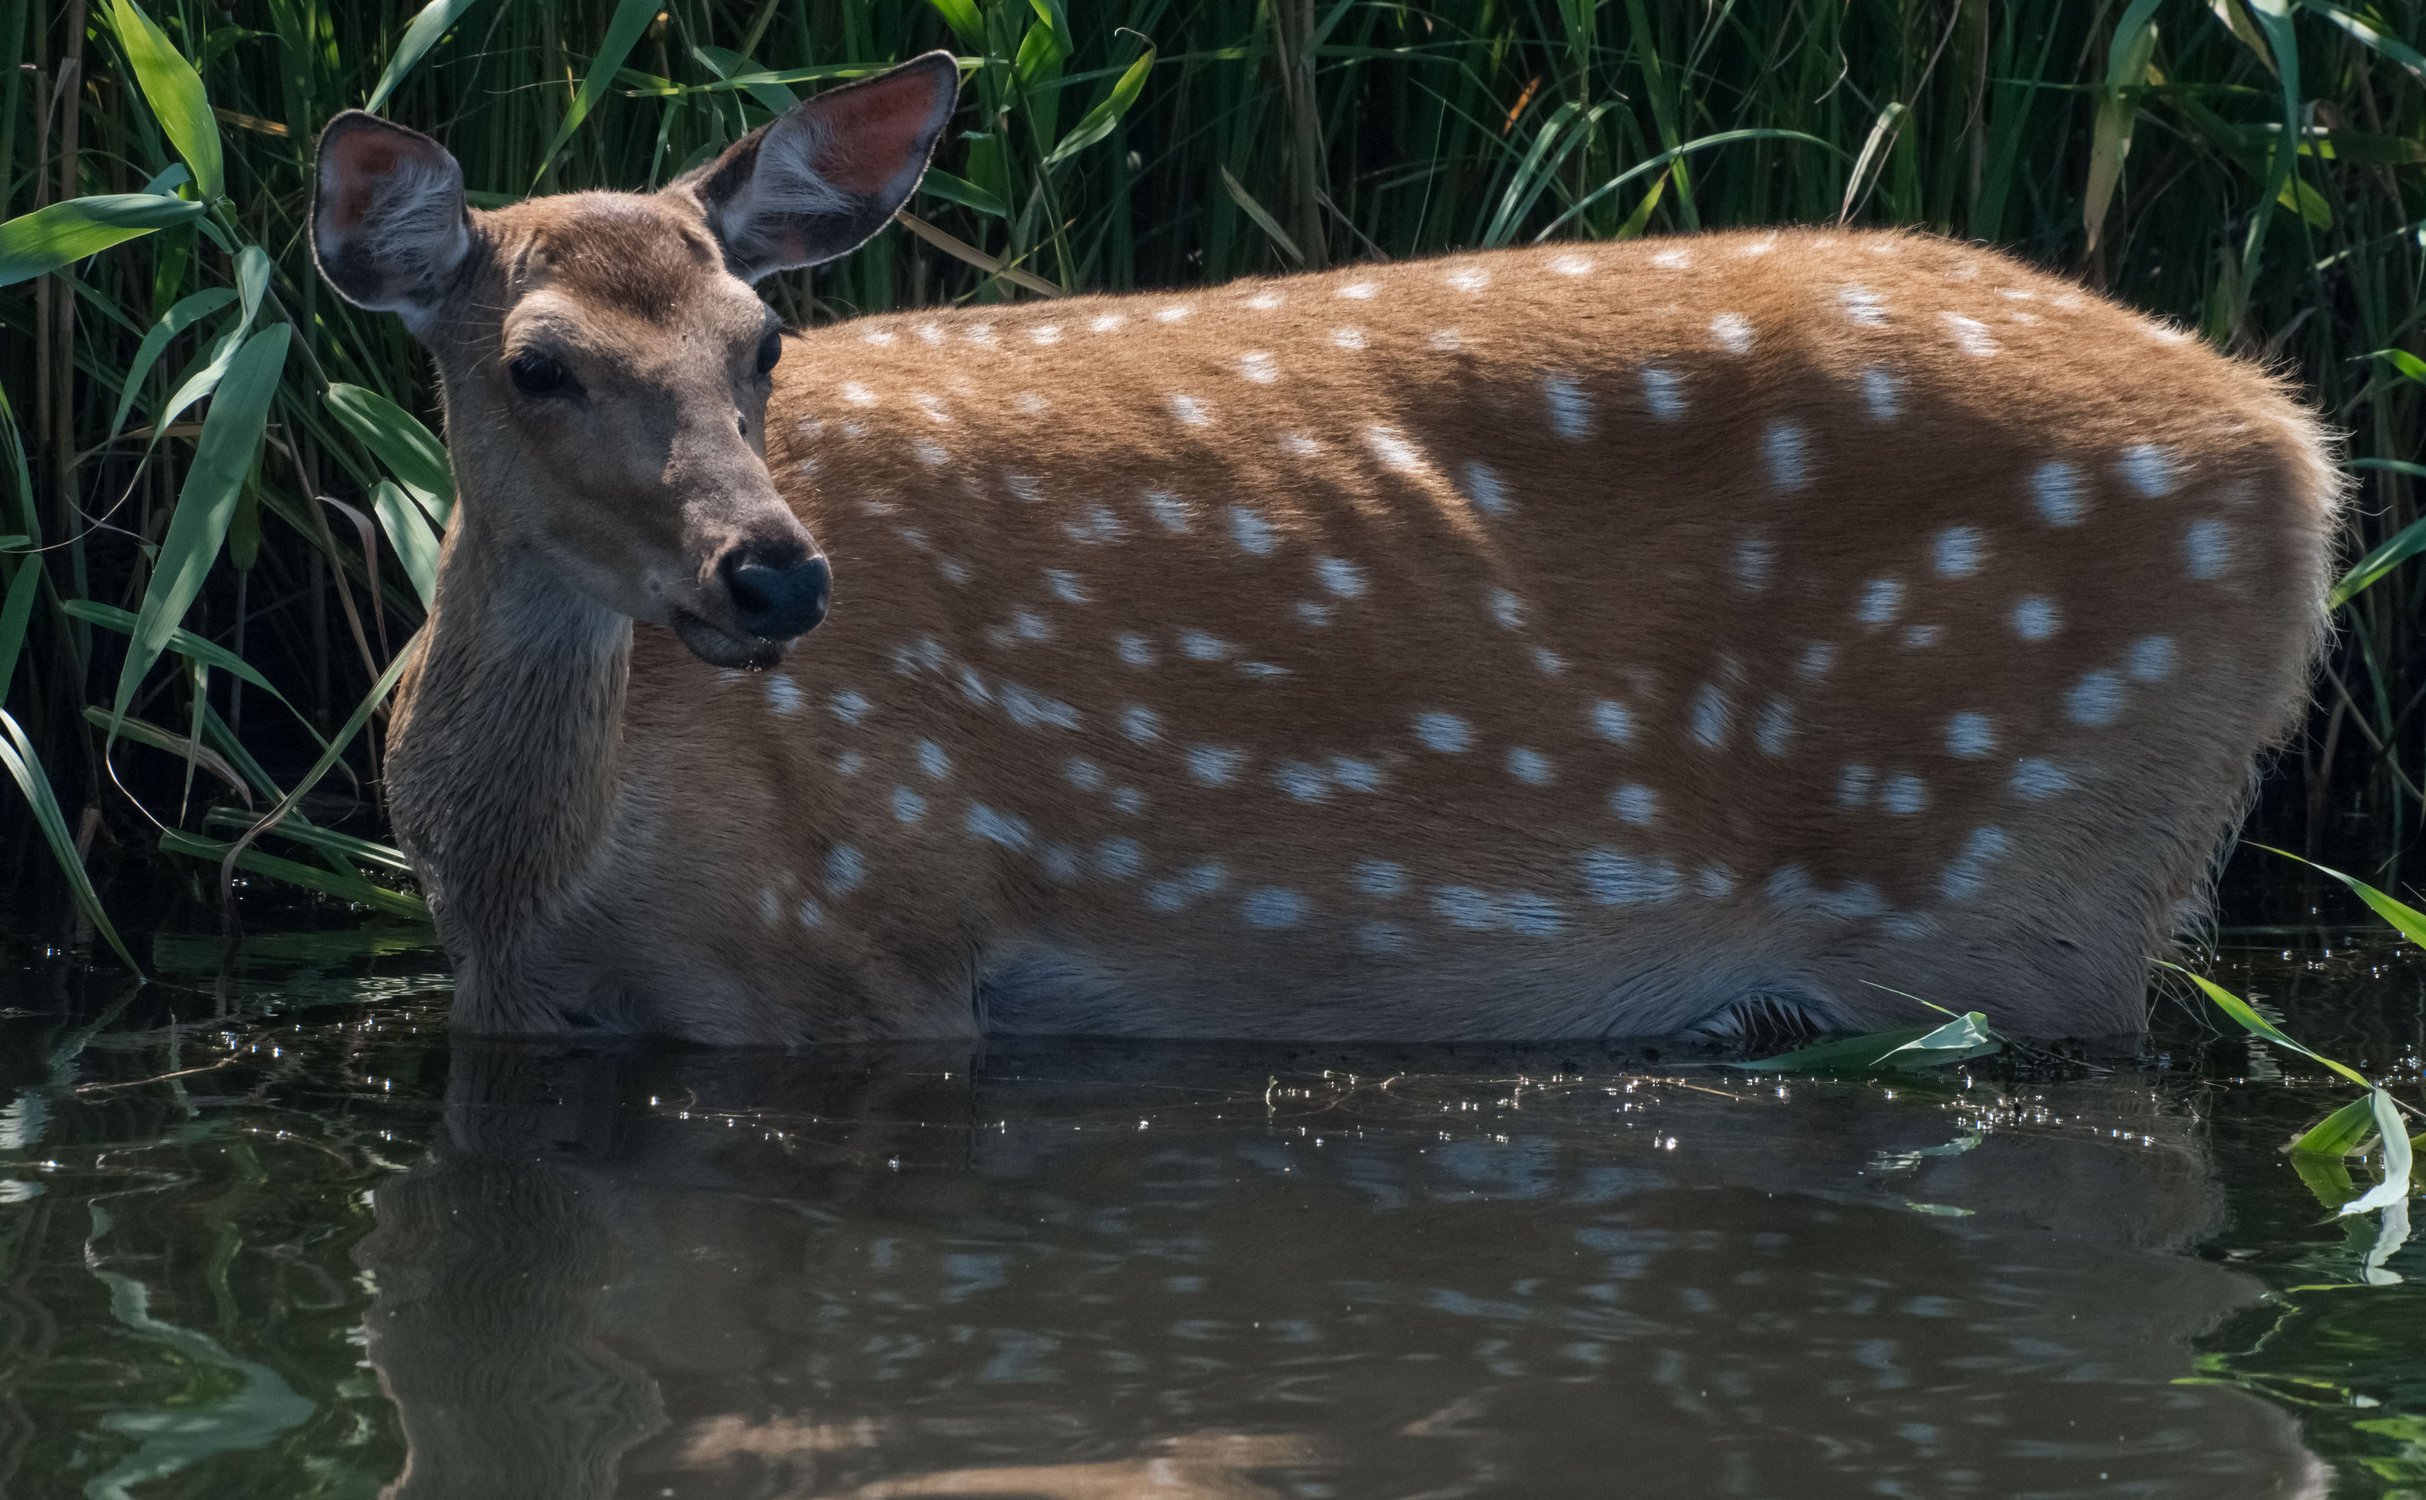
<point>719,647</point>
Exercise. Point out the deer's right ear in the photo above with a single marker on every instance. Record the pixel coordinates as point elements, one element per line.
<point>814,183</point>
<point>389,226</point>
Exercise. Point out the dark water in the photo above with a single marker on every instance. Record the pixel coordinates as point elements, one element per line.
<point>270,1232</point>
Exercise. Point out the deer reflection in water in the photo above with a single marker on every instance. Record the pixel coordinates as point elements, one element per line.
<point>1091,1271</point>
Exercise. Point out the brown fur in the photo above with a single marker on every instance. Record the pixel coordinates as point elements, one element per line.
<point>1008,493</point>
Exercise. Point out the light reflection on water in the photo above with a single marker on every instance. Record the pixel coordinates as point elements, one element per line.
<point>339,1254</point>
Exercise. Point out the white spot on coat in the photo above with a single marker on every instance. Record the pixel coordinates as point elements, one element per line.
<point>1613,877</point>
<point>1274,906</point>
<point>1190,411</point>
<point>1883,393</point>
<point>1258,367</point>
<point>1710,713</point>
<point>1120,858</point>
<point>1484,489</point>
<point>1140,724</point>
<point>1733,333</point>
<point>1444,732</point>
<point>2096,700</point>
<point>1967,873</point>
<point>1252,532</point>
<point>1785,447</point>
<point>1340,576</point>
<point>1215,765</point>
<point>933,761</point>
<point>1301,782</point>
<point>1853,785</point>
<point>1774,726</point>
<point>1393,449</point>
<point>1348,338</point>
<point>1529,766</point>
<point>1169,511</point>
<point>1507,609</point>
<point>1570,407</point>
<point>2035,618</point>
<point>1613,721</point>
<point>1958,551</point>
<point>1903,794</point>
<point>1969,735</point>
<point>2149,469</point>
<point>1882,600</point>
<point>1634,803</point>
<point>2206,549</point>
<point>1134,649</point>
<point>1379,878</point>
<point>1970,335</point>
<point>2055,488</point>
<point>1862,305</point>
<point>1197,645</point>
<point>994,827</point>
<point>2150,658</point>
<point>1028,708</point>
<point>846,869</point>
<point>2038,779</point>
<point>1663,392</point>
<point>1065,586</point>
<point>908,806</point>
<point>783,694</point>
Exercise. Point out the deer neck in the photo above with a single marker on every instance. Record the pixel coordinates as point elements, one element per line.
<point>506,760</point>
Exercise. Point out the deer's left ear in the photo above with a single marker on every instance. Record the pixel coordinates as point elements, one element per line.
<point>820,180</point>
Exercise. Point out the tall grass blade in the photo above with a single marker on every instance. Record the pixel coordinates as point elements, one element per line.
<point>174,91</point>
<point>231,435</point>
<point>39,243</point>
<point>185,314</point>
<point>25,768</point>
<point>410,450</point>
<point>631,18</point>
<point>2250,1021</point>
<point>430,23</point>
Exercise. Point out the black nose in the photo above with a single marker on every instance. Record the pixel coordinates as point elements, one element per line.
<point>778,592</point>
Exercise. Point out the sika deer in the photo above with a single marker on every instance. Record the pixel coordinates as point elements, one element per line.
<point>1597,639</point>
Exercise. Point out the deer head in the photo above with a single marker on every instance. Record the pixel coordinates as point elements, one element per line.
<point>604,360</point>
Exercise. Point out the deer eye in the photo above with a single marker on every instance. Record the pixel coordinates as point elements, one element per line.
<point>770,349</point>
<point>535,374</point>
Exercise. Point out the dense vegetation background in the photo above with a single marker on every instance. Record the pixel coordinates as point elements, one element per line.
<point>219,503</point>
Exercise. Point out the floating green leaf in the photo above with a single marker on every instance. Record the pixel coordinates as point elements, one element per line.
<point>1907,1049</point>
<point>2341,1133</point>
<point>2394,1188</point>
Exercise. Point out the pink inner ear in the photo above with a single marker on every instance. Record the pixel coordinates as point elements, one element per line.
<point>361,159</point>
<point>874,132</point>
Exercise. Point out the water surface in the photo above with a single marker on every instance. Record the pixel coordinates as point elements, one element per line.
<point>268,1230</point>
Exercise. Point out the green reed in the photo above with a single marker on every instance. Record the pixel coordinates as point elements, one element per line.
<point>219,500</point>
